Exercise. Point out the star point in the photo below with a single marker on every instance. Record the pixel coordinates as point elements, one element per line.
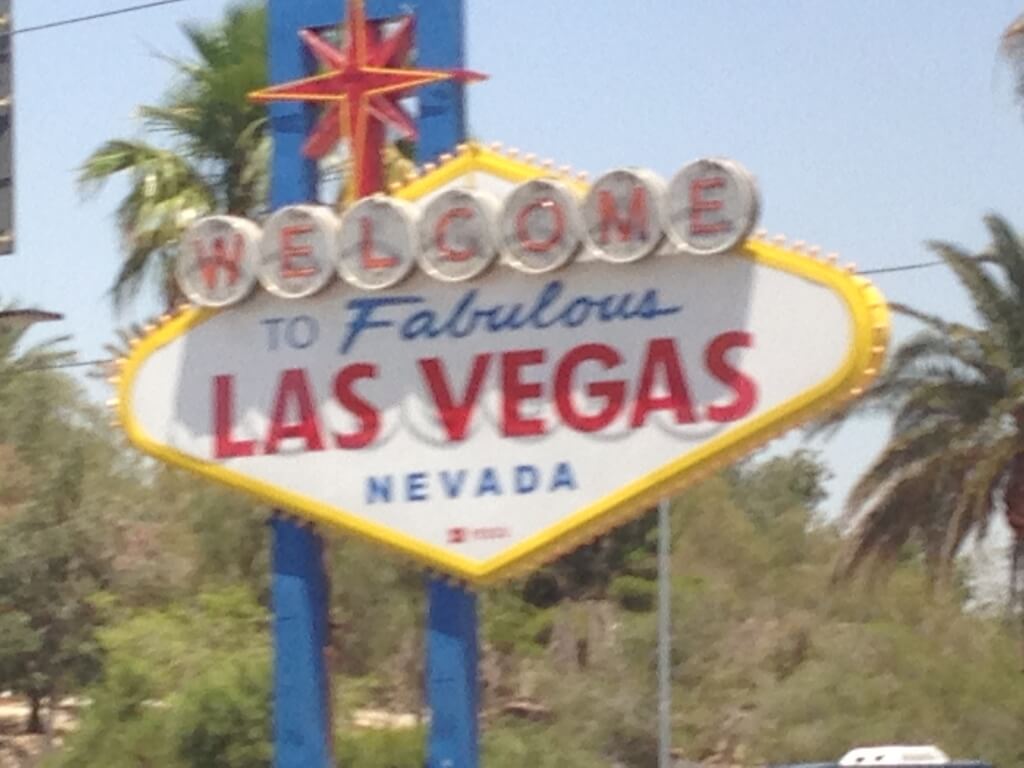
<point>360,90</point>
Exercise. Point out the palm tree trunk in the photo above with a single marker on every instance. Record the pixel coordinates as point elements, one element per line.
<point>1017,577</point>
<point>35,720</point>
<point>1016,606</point>
<point>1015,519</point>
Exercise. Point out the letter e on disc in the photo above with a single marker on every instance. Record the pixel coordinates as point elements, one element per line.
<point>296,256</point>
<point>712,206</point>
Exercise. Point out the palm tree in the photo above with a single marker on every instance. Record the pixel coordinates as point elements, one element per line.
<point>213,156</point>
<point>216,155</point>
<point>17,410</point>
<point>955,393</point>
<point>1011,48</point>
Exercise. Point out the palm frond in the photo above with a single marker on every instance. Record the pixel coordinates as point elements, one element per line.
<point>884,529</point>
<point>910,453</point>
<point>990,300</point>
<point>1007,251</point>
<point>977,497</point>
<point>967,402</point>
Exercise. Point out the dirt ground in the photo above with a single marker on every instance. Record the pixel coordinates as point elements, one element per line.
<point>21,750</point>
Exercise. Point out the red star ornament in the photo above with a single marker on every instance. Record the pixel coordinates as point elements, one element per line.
<point>361,88</point>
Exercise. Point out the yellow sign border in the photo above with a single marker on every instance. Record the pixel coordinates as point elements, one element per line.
<point>870,320</point>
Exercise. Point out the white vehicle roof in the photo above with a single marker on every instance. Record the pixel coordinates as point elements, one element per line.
<point>895,755</point>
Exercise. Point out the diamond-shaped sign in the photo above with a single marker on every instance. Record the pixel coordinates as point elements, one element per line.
<point>485,418</point>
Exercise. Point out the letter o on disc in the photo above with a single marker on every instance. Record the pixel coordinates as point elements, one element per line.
<point>377,242</point>
<point>457,236</point>
<point>216,262</point>
<point>297,251</point>
<point>541,227</point>
<point>622,215</point>
<point>712,206</point>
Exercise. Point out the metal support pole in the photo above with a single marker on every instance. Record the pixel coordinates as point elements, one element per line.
<point>6,128</point>
<point>664,637</point>
<point>451,614</point>
<point>452,676</point>
<point>452,637</point>
<point>302,691</point>
<point>303,735</point>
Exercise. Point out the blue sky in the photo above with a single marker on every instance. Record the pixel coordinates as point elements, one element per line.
<point>872,126</point>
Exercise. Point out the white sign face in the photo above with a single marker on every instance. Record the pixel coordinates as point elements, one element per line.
<point>485,425</point>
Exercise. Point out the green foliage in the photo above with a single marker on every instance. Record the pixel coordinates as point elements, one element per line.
<point>511,744</point>
<point>213,154</point>
<point>513,626</point>
<point>52,556</point>
<point>223,720</point>
<point>183,687</point>
<point>378,609</point>
<point>633,593</point>
<point>769,664</point>
<point>381,749</point>
<point>587,572</point>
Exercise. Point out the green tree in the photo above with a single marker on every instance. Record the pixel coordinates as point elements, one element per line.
<point>955,394</point>
<point>52,557</point>
<point>50,560</point>
<point>185,685</point>
<point>50,566</point>
<point>16,379</point>
<point>208,152</point>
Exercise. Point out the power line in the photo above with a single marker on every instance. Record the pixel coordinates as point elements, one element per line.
<point>59,366</point>
<point>94,16</point>
<point>902,268</point>
<point>76,364</point>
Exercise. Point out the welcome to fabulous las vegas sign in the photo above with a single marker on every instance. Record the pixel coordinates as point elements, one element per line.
<point>497,362</point>
<point>479,415</point>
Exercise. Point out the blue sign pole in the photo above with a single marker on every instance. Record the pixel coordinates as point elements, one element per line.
<point>302,703</point>
<point>452,676</point>
<point>302,690</point>
<point>452,688</point>
<point>299,589</point>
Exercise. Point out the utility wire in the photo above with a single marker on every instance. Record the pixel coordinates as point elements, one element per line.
<point>903,268</point>
<point>58,366</point>
<point>94,16</point>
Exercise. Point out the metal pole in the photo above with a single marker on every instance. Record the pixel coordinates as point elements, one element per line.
<point>302,689</point>
<point>303,727</point>
<point>664,638</point>
<point>6,128</point>
<point>452,676</point>
<point>452,611</point>
<point>452,639</point>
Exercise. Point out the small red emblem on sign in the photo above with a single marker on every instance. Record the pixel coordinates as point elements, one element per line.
<point>456,535</point>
